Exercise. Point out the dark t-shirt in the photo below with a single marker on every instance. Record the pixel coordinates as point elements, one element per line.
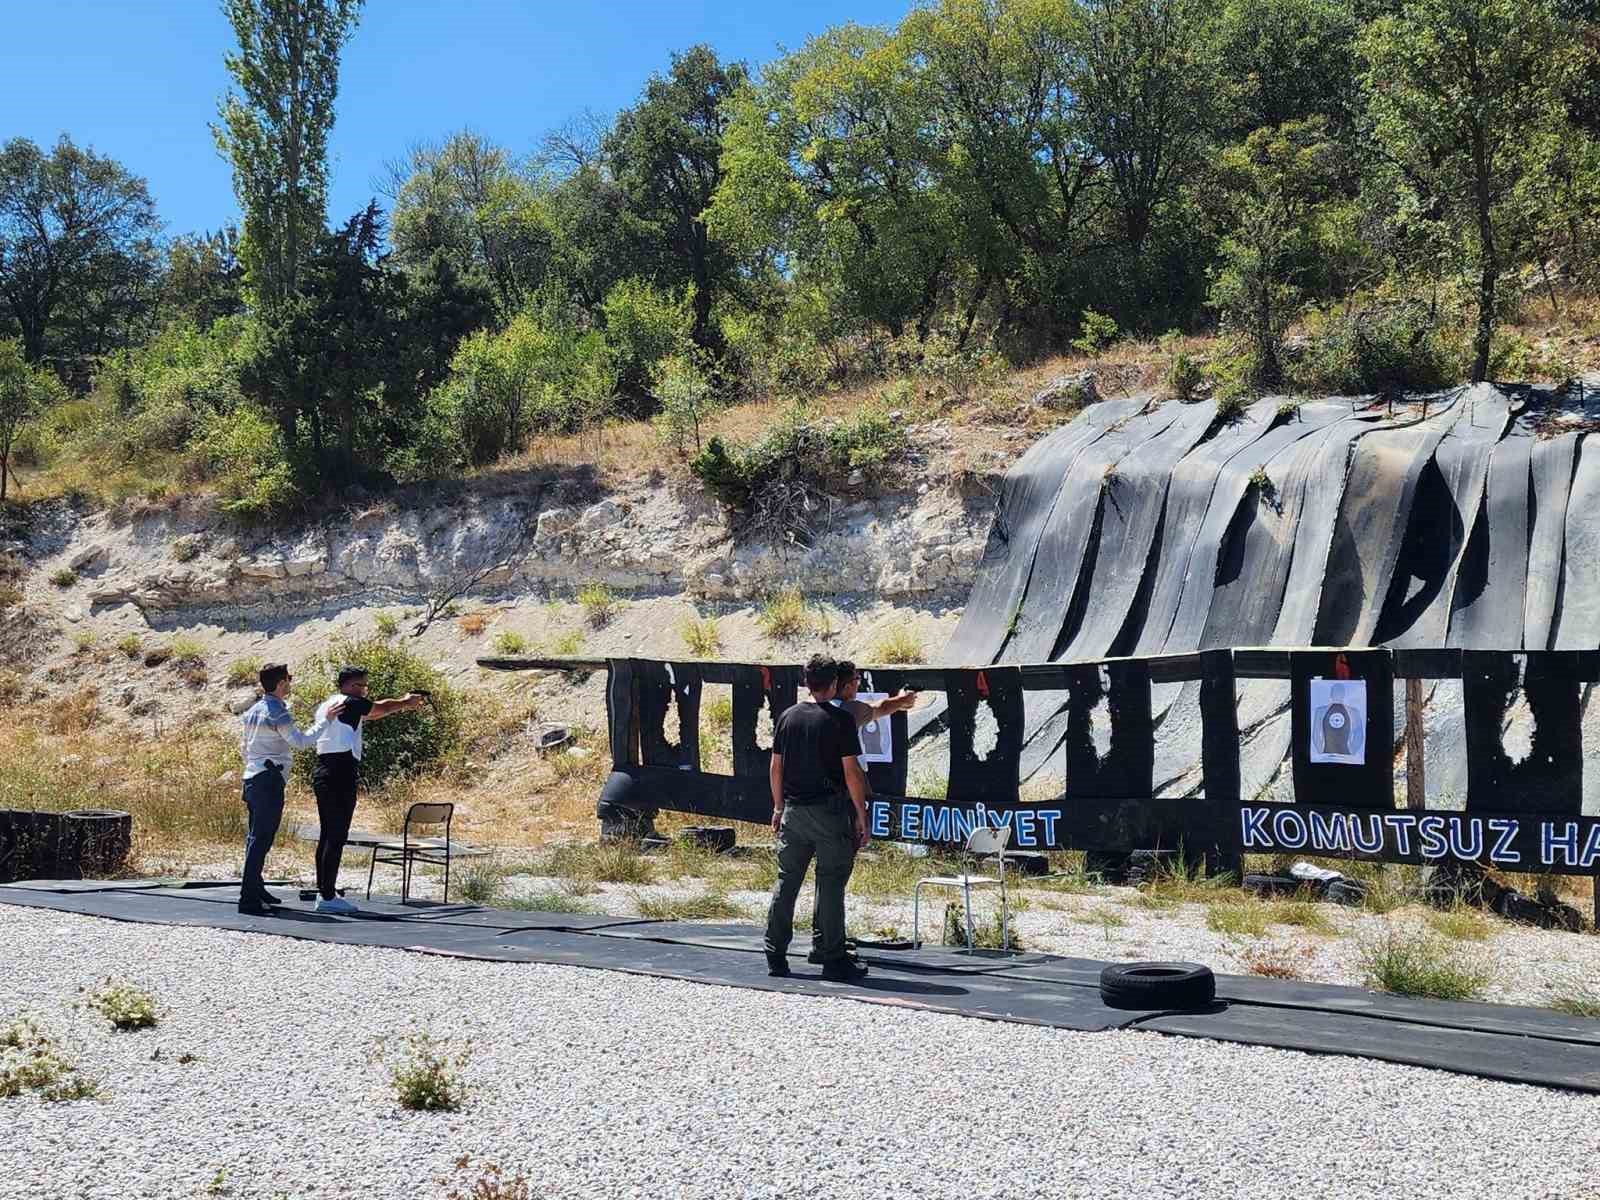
<point>814,740</point>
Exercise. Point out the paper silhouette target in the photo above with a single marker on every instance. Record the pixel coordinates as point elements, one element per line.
<point>877,742</point>
<point>1338,721</point>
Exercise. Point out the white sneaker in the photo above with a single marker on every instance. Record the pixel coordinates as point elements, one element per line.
<point>337,905</point>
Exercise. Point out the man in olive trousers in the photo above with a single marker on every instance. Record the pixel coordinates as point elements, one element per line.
<point>817,786</point>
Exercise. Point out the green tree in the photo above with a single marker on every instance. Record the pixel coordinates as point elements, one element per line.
<point>202,280</point>
<point>1276,182</point>
<point>1287,60</point>
<point>665,154</point>
<point>25,391</point>
<point>274,130</point>
<point>77,256</point>
<point>1467,100</point>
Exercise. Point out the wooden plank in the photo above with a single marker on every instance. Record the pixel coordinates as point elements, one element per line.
<point>1219,763</point>
<point>1416,780</point>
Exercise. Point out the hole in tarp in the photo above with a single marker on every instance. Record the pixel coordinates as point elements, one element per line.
<point>764,725</point>
<point>1518,727</point>
<point>716,725</point>
<point>1100,718</point>
<point>985,730</point>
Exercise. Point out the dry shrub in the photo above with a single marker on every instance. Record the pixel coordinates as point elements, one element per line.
<point>76,713</point>
<point>472,624</point>
<point>1277,961</point>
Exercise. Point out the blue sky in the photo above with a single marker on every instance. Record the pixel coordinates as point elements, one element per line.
<point>140,81</point>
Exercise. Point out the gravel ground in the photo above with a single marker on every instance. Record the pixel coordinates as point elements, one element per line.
<point>597,1084</point>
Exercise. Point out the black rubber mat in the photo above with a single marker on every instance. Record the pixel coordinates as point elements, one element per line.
<point>1521,1045</point>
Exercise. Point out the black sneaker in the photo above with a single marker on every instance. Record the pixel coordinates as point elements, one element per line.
<point>268,898</point>
<point>815,957</point>
<point>254,908</point>
<point>844,970</point>
<point>777,966</point>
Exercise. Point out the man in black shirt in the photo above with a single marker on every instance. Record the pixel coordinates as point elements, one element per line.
<point>817,785</point>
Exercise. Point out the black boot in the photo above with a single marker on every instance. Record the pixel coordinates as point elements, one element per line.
<point>844,970</point>
<point>777,966</point>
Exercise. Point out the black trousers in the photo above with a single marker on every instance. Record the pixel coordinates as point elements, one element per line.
<point>334,781</point>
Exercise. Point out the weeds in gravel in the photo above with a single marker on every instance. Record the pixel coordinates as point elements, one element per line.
<point>427,1076</point>
<point>701,636</point>
<point>242,671</point>
<point>187,652</point>
<point>898,645</point>
<point>31,1062</point>
<point>1242,919</point>
<point>481,880</point>
<point>492,1183</point>
<point>786,615</point>
<point>599,604</point>
<point>1460,922</point>
<point>1575,1000</point>
<point>386,624</point>
<point>891,872</point>
<point>986,931</point>
<point>130,645</point>
<point>1300,914</point>
<point>127,1007</point>
<point>508,643</point>
<point>549,900</point>
<point>64,578</point>
<point>1274,961</point>
<point>608,862</point>
<point>568,644</point>
<point>709,905</point>
<point>1411,962</point>
<point>83,641</point>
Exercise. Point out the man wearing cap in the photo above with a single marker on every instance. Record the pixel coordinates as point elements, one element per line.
<point>338,772</point>
<point>268,741</point>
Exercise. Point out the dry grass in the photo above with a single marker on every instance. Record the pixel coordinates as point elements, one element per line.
<point>786,615</point>
<point>1412,962</point>
<point>898,645</point>
<point>710,905</point>
<point>509,643</point>
<point>599,603</point>
<point>701,636</point>
<point>473,624</point>
<point>1461,923</point>
<point>1275,961</point>
<point>1243,919</point>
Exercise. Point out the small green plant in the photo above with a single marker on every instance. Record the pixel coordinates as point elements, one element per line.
<point>1096,331</point>
<point>83,641</point>
<point>1185,373</point>
<point>1461,923</point>
<point>1105,917</point>
<point>130,645</point>
<point>482,881</point>
<point>710,905</point>
<point>1231,408</point>
<point>568,644</point>
<point>509,643</point>
<point>1300,914</point>
<point>31,1062</point>
<point>1288,410</point>
<point>786,615</point>
<point>608,862</point>
<point>386,624</point>
<point>599,603</point>
<point>187,652</point>
<point>64,577</point>
<point>1416,963</point>
<point>716,714</point>
<point>492,1183</point>
<point>427,1077</point>
<point>987,932</point>
<point>701,636</point>
<point>242,671</point>
<point>559,900</point>
<point>899,645</point>
<point>1237,920</point>
<point>127,1007</point>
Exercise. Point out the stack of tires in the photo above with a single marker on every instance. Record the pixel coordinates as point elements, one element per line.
<point>82,844</point>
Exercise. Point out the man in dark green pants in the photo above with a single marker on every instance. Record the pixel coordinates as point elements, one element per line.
<point>817,784</point>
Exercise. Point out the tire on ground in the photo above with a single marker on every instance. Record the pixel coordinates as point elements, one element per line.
<point>1158,985</point>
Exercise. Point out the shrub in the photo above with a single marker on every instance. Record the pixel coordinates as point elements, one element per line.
<point>386,624</point>
<point>482,881</point>
<point>599,603</point>
<point>427,1078</point>
<point>686,401</point>
<point>717,714</point>
<point>568,644</point>
<point>187,652</point>
<point>1414,963</point>
<point>1096,331</point>
<point>645,324</point>
<point>243,671</point>
<point>130,645</point>
<point>1386,348</point>
<point>65,577</point>
<point>796,448</point>
<point>124,1005</point>
<point>242,452</point>
<point>899,645</point>
<point>509,643</point>
<point>786,614</point>
<point>701,636</point>
<point>83,641</point>
<point>402,743</point>
<point>472,624</point>
<point>185,549</point>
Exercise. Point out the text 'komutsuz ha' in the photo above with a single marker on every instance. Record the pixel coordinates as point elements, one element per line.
<point>1553,843</point>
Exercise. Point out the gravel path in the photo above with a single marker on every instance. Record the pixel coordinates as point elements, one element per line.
<point>596,1084</point>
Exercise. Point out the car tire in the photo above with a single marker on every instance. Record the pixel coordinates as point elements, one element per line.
<point>1158,985</point>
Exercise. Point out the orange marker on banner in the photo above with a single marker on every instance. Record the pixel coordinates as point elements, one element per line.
<point>1341,667</point>
<point>983,686</point>
<point>766,680</point>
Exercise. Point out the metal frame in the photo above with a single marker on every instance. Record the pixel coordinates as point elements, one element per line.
<point>979,841</point>
<point>406,852</point>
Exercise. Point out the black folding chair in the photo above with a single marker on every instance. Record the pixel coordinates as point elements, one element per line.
<point>416,849</point>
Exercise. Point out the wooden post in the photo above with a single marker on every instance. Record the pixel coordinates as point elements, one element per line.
<point>1416,782</point>
<point>1219,762</point>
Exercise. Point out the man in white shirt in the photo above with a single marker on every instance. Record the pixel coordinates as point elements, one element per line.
<point>267,742</point>
<point>338,774</point>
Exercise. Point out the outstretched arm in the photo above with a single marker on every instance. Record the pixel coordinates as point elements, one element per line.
<point>410,702</point>
<point>864,712</point>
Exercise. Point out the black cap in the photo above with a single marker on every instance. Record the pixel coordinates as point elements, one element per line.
<point>348,674</point>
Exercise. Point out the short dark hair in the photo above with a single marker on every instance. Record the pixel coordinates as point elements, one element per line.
<point>350,674</point>
<point>821,672</point>
<point>272,675</point>
<point>847,671</point>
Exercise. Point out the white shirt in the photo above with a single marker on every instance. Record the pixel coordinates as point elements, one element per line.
<point>337,737</point>
<point>860,759</point>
